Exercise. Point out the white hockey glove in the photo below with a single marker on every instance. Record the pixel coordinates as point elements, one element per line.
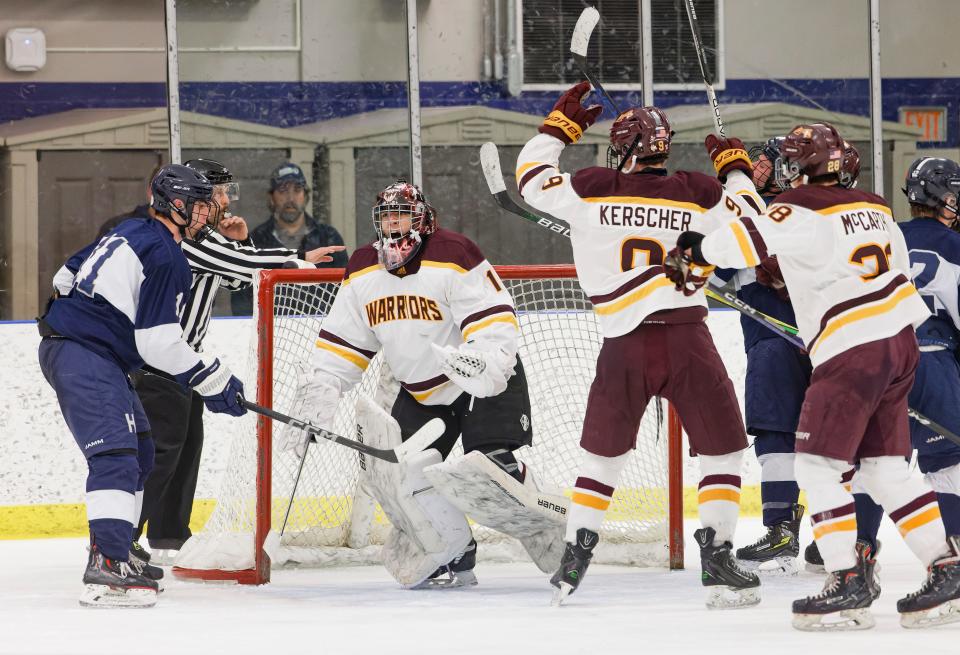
<point>315,401</point>
<point>481,372</point>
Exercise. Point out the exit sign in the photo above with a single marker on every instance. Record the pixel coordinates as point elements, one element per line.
<point>932,120</point>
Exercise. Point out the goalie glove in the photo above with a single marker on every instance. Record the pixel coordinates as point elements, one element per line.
<point>481,372</point>
<point>315,401</point>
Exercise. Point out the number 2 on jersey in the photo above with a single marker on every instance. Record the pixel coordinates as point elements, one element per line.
<point>879,255</point>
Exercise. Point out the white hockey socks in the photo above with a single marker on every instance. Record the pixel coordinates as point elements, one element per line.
<point>832,511</point>
<point>946,483</point>
<point>718,495</point>
<point>908,502</point>
<point>593,492</point>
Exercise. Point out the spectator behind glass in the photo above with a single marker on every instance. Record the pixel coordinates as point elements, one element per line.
<point>289,226</point>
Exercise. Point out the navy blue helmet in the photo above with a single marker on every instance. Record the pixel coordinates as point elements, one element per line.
<point>933,182</point>
<point>768,182</point>
<point>176,188</point>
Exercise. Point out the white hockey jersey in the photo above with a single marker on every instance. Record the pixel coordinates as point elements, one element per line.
<point>844,261</point>
<point>622,227</point>
<point>447,295</point>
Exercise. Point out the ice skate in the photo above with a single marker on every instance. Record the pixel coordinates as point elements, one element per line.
<point>139,561</point>
<point>458,573</point>
<point>938,601</point>
<point>775,552</point>
<point>573,566</point>
<point>109,583</point>
<point>811,558</point>
<point>844,603</point>
<point>730,587</point>
<point>867,556</point>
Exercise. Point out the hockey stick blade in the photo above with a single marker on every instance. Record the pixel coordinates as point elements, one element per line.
<point>579,43</point>
<point>386,454</point>
<point>490,164</point>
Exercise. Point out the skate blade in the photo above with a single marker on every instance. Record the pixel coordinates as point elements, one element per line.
<point>96,595</point>
<point>456,581</point>
<point>948,612</point>
<point>563,590</point>
<point>778,567</point>
<point>858,619</point>
<point>723,597</point>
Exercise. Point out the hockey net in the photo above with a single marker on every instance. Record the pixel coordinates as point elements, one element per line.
<point>331,523</point>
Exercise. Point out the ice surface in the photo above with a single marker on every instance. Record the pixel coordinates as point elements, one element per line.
<point>361,610</point>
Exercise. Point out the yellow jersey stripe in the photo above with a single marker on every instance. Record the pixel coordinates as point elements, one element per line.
<point>636,295</point>
<point>432,264</point>
<point>526,167</point>
<point>847,525</point>
<point>349,355</point>
<point>932,513</point>
<point>708,495</point>
<point>746,247</point>
<point>639,200</point>
<point>362,271</point>
<point>590,501</point>
<point>869,311</point>
<point>420,396</point>
<point>852,206</point>
<point>498,318</point>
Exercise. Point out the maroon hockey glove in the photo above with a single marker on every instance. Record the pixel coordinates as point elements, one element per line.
<point>769,275</point>
<point>728,155</point>
<point>570,119</point>
<point>687,275</point>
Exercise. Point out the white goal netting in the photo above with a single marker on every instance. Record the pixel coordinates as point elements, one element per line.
<point>329,523</point>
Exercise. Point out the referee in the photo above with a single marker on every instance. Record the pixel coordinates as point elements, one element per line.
<point>224,258</point>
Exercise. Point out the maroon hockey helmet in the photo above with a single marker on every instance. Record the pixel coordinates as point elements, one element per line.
<point>814,150</point>
<point>650,124</point>
<point>850,166</point>
<point>401,218</point>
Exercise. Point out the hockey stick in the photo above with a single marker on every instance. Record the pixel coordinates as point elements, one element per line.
<point>296,483</point>
<point>579,43</point>
<point>490,163</point>
<point>419,441</point>
<point>702,59</point>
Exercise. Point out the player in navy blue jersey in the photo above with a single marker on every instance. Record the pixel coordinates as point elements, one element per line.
<point>117,307</point>
<point>778,374</point>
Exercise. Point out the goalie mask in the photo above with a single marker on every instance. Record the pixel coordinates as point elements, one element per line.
<point>401,218</point>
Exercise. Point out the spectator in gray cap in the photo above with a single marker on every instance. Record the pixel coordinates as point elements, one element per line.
<point>290,226</point>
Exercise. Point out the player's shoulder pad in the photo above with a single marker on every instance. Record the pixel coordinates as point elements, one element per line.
<point>705,190</point>
<point>594,182</point>
<point>362,258</point>
<point>817,198</point>
<point>449,247</point>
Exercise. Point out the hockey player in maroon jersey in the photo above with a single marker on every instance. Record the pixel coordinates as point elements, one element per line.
<point>656,342</point>
<point>846,264</point>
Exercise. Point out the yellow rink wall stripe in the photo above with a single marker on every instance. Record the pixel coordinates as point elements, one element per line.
<point>70,520</point>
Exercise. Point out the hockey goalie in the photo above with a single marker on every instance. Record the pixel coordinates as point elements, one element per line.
<point>448,330</point>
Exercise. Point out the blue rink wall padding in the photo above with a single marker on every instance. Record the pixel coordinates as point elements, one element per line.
<point>288,104</point>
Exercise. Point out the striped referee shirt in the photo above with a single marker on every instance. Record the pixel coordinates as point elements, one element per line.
<point>216,262</point>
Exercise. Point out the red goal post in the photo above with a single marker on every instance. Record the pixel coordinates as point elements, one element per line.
<point>559,342</point>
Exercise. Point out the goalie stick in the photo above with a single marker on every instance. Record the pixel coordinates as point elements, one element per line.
<point>702,59</point>
<point>419,441</point>
<point>490,163</point>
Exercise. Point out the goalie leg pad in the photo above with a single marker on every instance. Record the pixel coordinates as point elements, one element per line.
<point>427,530</point>
<point>494,498</point>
